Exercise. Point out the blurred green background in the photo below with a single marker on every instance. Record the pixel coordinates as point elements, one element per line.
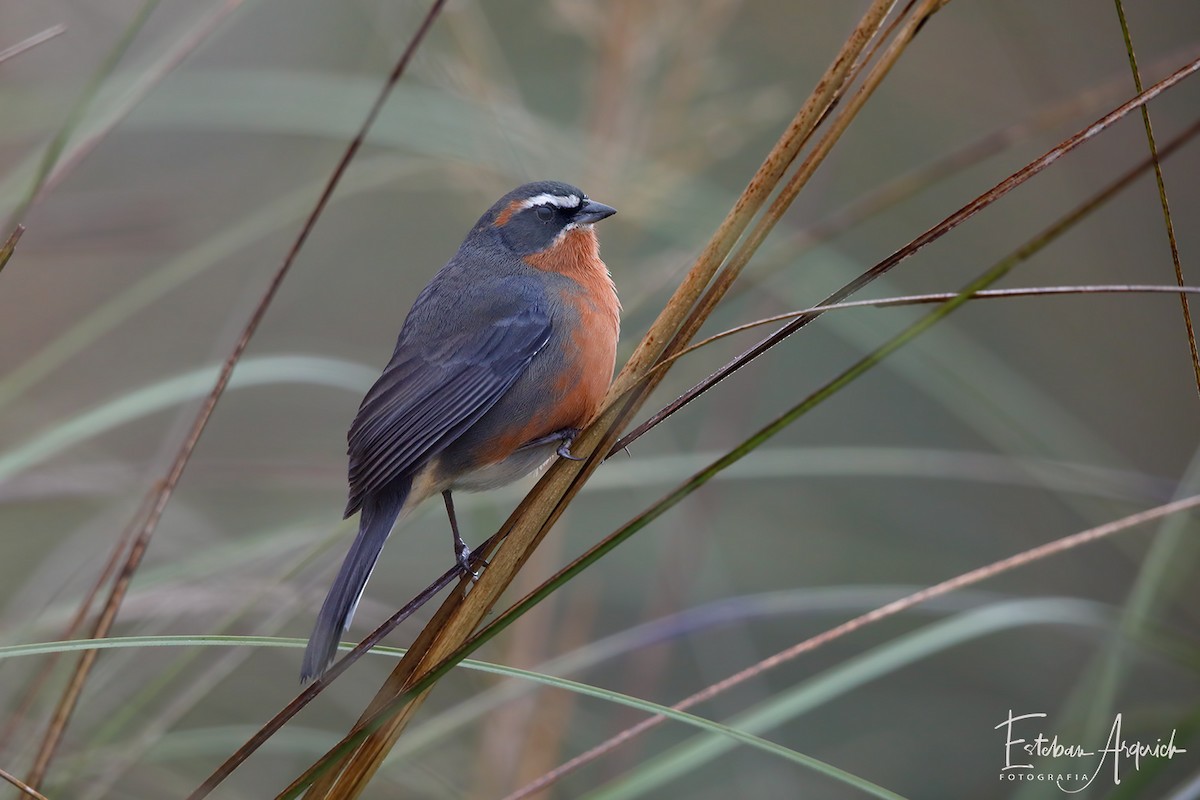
<point>1014,423</point>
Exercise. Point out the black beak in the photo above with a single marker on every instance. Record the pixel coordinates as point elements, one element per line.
<point>591,211</point>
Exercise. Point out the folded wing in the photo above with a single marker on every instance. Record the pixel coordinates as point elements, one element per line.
<point>427,398</point>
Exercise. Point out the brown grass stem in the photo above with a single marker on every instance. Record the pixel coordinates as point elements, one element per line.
<point>10,245</point>
<point>1168,223</point>
<point>943,297</point>
<point>21,785</point>
<point>906,29</point>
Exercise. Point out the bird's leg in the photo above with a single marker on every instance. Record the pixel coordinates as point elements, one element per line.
<point>462,553</point>
<point>565,437</point>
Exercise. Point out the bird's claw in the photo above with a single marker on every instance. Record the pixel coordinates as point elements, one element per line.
<point>564,451</point>
<point>464,557</point>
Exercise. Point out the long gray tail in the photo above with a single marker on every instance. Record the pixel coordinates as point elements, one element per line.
<point>374,524</point>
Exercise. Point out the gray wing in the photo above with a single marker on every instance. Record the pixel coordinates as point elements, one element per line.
<point>428,396</point>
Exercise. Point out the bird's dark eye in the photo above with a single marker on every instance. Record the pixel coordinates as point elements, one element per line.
<point>544,213</point>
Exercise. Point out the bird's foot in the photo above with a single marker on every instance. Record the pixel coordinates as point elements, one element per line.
<point>564,450</point>
<point>565,438</point>
<point>467,560</point>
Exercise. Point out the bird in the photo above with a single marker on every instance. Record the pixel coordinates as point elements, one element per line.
<point>503,358</point>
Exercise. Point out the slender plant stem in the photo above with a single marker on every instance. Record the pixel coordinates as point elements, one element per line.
<point>1168,223</point>
<point>21,785</point>
<point>31,42</point>
<point>906,29</point>
<point>10,245</point>
<point>941,297</point>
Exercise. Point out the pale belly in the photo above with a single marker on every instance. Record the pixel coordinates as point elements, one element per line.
<point>516,466</point>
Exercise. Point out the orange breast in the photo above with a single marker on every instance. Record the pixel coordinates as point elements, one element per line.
<point>590,347</point>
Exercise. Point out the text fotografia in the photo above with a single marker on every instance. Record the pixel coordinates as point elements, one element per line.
<point>1023,741</point>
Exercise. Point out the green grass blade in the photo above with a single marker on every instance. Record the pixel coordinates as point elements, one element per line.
<point>737,736</point>
<point>180,389</point>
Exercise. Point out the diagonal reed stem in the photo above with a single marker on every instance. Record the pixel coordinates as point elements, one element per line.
<point>1168,223</point>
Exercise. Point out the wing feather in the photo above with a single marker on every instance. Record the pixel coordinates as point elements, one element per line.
<point>426,398</point>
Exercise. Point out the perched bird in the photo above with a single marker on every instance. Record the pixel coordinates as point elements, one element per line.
<point>504,357</point>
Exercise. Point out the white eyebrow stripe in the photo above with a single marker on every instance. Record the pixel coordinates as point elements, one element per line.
<point>569,201</point>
